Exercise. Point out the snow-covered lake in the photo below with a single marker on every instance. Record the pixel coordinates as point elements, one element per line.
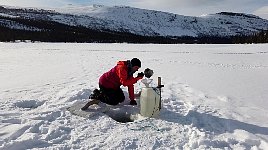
<point>215,97</point>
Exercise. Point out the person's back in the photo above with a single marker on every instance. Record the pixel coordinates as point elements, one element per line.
<point>111,78</point>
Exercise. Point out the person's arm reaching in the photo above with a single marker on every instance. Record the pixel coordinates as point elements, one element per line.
<point>122,74</point>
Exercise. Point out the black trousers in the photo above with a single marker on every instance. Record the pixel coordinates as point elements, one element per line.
<point>111,96</point>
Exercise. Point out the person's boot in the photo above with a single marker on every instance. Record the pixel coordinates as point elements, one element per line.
<point>94,97</point>
<point>95,94</point>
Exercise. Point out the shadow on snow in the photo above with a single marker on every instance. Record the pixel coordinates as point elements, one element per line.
<point>210,123</point>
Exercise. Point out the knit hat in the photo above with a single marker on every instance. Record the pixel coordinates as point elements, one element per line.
<point>135,62</point>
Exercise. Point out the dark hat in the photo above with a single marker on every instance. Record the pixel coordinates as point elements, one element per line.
<point>135,62</point>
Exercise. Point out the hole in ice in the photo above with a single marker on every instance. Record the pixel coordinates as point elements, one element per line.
<point>121,117</point>
<point>123,114</point>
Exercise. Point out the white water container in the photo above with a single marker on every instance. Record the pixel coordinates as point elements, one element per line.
<point>150,102</point>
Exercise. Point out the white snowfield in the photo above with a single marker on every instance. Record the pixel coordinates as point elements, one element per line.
<point>215,97</point>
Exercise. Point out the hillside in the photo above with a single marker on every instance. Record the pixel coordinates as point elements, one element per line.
<point>98,23</point>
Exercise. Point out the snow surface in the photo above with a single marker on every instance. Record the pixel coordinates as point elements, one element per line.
<point>215,97</point>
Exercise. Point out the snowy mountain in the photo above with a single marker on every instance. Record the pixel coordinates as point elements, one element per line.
<point>149,22</point>
<point>132,21</point>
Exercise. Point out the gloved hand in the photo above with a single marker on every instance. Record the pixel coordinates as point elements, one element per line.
<point>133,102</point>
<point>141,74</point>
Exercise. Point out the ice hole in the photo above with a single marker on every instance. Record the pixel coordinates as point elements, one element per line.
<point>123,114</point>
<point>120,117</point>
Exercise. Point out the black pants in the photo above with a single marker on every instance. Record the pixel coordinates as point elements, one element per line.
<point>111,96</point>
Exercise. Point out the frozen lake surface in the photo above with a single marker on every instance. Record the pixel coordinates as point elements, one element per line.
<point>215,96</point>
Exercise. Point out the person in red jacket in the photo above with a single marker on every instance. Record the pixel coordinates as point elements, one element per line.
<point>110,82</point>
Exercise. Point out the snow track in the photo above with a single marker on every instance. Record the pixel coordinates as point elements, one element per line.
<point>205,104</point>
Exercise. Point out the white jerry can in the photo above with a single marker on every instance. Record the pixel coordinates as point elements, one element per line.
<point>150,102</point>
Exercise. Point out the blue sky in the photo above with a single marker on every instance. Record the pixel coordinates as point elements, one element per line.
<point>182,7</point>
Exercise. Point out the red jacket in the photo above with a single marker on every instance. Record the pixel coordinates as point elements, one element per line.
<point>118,76</point>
